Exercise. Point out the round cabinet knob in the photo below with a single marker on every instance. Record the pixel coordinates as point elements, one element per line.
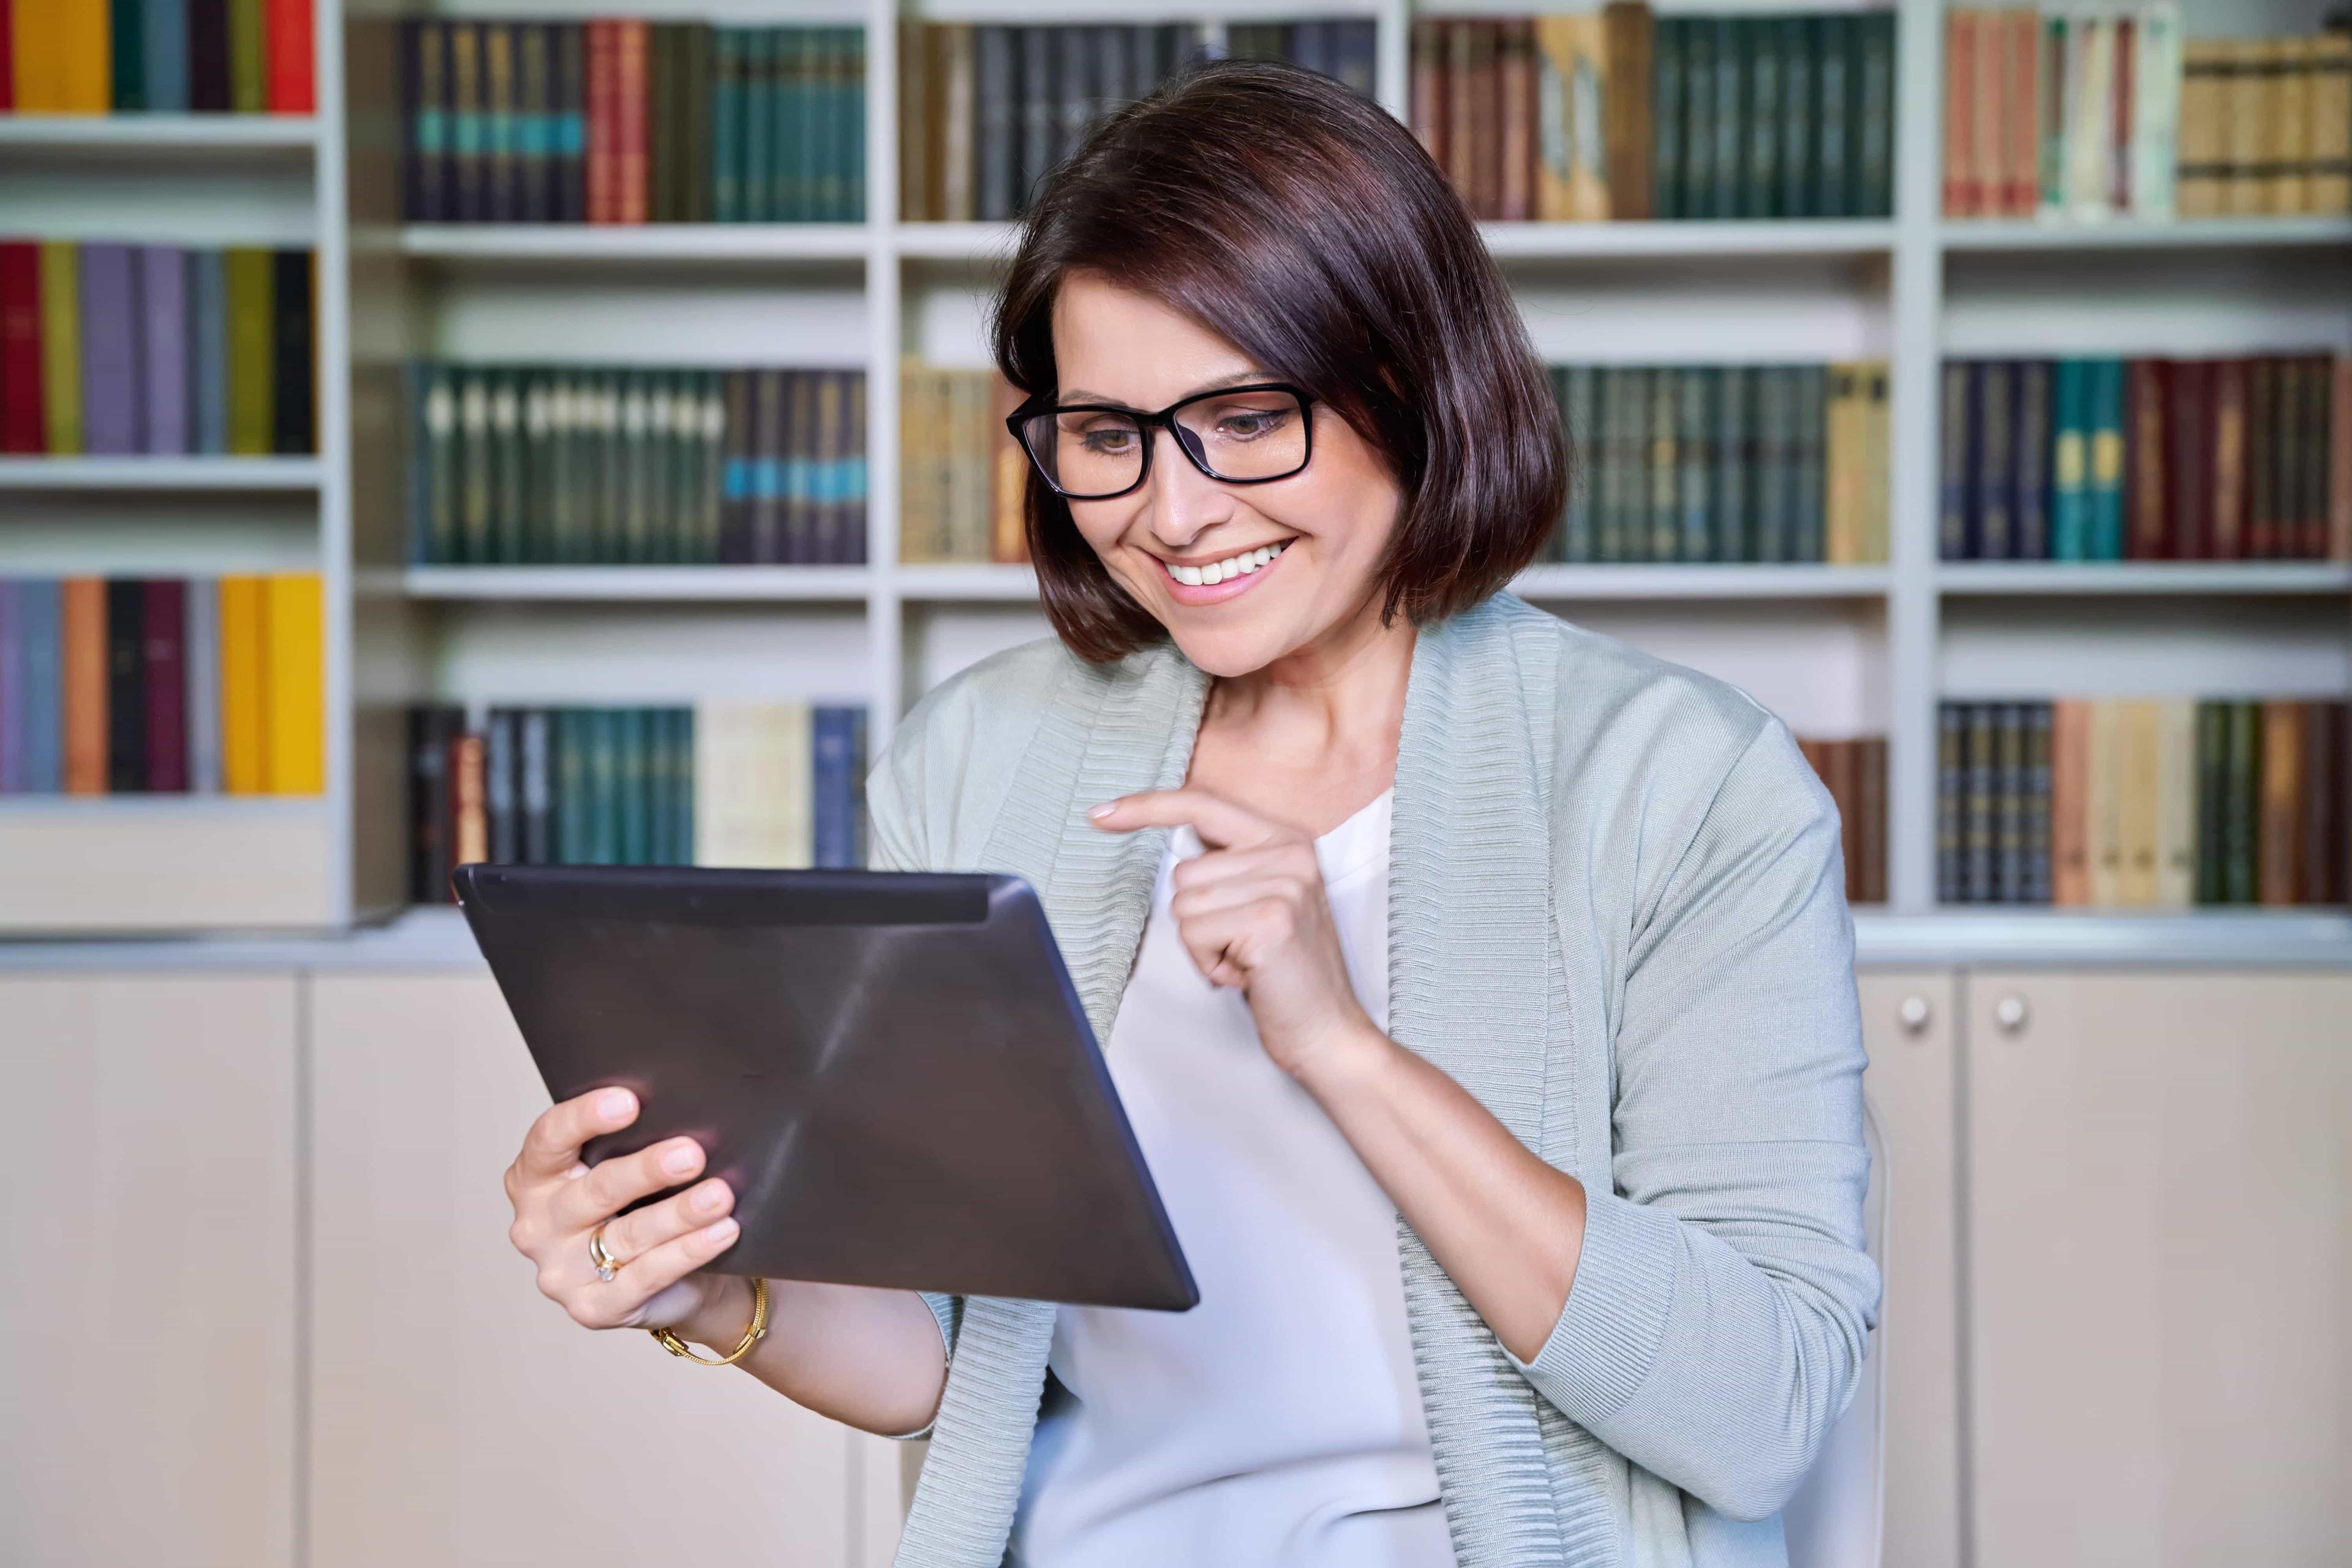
<point>1915,1014</point>
<point>2010,1014</point>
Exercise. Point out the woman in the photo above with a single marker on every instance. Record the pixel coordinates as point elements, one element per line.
<point>1480,989</point>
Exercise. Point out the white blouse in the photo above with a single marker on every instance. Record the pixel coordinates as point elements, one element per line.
<point>1279,1422</point>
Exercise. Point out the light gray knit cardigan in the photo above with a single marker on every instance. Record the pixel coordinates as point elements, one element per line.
<point>1616,916</point>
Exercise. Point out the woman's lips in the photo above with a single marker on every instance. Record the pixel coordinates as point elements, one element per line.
<point>1190,594</point>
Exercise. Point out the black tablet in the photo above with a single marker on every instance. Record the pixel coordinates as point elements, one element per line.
<point>891,1069</point>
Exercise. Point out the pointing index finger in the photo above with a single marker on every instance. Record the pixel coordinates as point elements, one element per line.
<point>1222,824</point>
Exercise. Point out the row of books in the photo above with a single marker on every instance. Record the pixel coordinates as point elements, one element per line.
<point>1726,463</point>
<point>1855,770</point>
<point>962,478</point>
<point>162,685</point>
<point>777,784</point>
<point>2142,802</point>
<point>1620,114</point>
<point>160,57</point>
<point>986,108</point>
<point>2148,459</point>
<point>2064,114</point>
<point>546,465</point>
<point>622,120</point>
<point>110,350</point>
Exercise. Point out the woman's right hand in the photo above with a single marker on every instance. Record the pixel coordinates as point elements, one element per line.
<point>558,1200</point>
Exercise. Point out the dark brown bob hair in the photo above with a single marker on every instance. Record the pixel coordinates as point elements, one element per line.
<point>1305,226</point>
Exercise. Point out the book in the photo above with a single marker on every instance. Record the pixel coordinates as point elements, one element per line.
<point>83,651</point>
<point>294,679</point>
<point>244,689</point>
<point>126,686</point>
<point>163,701</point>
<point>201,688</point>
<point>22,429</point>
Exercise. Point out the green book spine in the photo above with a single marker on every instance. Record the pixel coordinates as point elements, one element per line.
<point>1581,398</point>
<point>1775,410</point>
<point>1735,445</point>
<point>2070,496</point>
<point>1765,114</point>
<point>791,172</point>
<point>2212,800</point>
<point>1698,199</point>
<point>60,294</point>
<point>631,447</point>
<point>699,74</point>
<point>1618,389</point>
<point>660,851</point>
<point>812,143</point>
<point>1695,387</point>
<point>726,124</point>
<point>1728,162</point>
<point>1875,121</point>
<point>126,33</point>
<point>2241,815</point>
<point>1662,542</point>
<point>2052,166</point>
<point>248,69</point>
<point>681,796</point>
<point>714,468</point>
<point>505,470</point>
<point>759,119</point>
<point>1807,517</point>
<point>853,121</point>
<point>604,787</point>
<point>612,498</point>
<point>1800,49</point>
<point>538,467</point>
<point>252,352</point>
<point>633,786</point>
<point>1666,118</point>
<point>444,473</point>
<point>479,495</point>
<point>1833,136</point>
<point>661,122</point>
<point>2107,452</point>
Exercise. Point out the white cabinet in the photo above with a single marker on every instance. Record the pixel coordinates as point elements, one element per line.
<point>2159,1245</point>
<point>148,1350</point>
<point>460,1418</point>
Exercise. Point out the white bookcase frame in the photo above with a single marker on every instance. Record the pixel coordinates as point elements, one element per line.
<point>382,283</point>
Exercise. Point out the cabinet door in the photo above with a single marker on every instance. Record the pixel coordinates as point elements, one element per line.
<point>1908,1024</point>
<point>461,1418</point>
<point>2160,1246</point>
<point>147,1298</point>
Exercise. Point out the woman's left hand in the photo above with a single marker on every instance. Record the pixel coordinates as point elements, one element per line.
<point>1253,914</point>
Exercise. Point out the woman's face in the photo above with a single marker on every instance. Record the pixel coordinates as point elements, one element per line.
<point>1331,522</point>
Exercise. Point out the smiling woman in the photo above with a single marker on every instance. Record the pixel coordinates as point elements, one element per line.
<point>1480,989</point>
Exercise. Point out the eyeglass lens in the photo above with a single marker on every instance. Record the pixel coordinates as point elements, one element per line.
<point>1240,436</point>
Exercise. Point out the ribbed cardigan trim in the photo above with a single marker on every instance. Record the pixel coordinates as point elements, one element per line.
<point>1476,987</point>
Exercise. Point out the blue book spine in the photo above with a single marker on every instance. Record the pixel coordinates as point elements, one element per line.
<point>164,53</point>
<point>40,632</point>
<point>13,737</point>
<point>2070,500</point>
<point>829,798</point>
<point>681,792</point>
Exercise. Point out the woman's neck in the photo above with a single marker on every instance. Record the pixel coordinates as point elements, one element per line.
<point>1312,737</point>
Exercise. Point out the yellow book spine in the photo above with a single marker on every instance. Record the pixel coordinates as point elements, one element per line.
<point>61,267</point>
<point>63,52</point>
<point>245,735</point>
<point>1875,436</point>
<point>1841,528</point>
<point>294,677</point>
<point>252,367</point>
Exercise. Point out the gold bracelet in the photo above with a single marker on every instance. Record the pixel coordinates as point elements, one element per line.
<point>753,1335</point>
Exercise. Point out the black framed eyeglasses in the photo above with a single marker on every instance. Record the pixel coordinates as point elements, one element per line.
<point>1236,435</point>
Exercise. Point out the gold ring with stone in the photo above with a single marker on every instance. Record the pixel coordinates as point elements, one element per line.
<point>605,1263</point>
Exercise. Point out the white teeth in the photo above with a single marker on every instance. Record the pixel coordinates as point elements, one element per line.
<point>1232,566</point>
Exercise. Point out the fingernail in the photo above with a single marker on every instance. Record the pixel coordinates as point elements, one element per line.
<point>679,1161</point>
<point>709,1197</point>
<point>616,1103</point>
<point>1105,809</point>
<point>723,1232</point>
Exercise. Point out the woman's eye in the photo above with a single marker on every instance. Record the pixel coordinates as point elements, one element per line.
<point>1108,441</point>
<point>1250,424</point>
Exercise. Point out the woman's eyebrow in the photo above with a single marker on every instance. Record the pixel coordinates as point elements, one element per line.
<point>1081,394</point>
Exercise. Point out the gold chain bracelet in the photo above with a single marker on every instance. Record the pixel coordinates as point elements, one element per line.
<point>753,1335</point>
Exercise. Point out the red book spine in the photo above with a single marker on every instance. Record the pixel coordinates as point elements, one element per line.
<point>7,57</point>
<point>630,186</point>
<point>164,620</point>
<point>2188,432</point>
<point>2340,461</point>
<point>2143,405</point>
<point>604,164</point>
<point>2313,373</point>
<point>20,347</point>
<point>293,56</point>
<point>2226,539</point>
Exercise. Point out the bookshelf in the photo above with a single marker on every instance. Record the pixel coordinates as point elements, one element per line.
<point>1836,650</point>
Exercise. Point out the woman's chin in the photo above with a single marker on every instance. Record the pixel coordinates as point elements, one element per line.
<point>1227,651</point>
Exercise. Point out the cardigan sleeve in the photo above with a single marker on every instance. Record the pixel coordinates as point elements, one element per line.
<point>891,847</point>
<point>1714,1328</point>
